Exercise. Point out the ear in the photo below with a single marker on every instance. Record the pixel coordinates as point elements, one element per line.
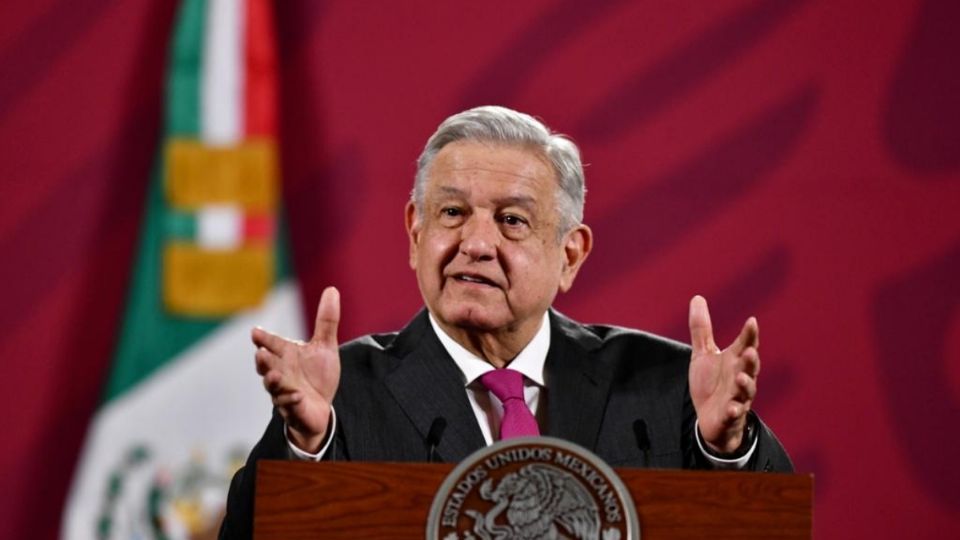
<point>412,224</point>
<point>576,247</point>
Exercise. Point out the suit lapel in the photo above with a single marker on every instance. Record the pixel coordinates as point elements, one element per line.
<point>577,387</point>
<point>427,385</point>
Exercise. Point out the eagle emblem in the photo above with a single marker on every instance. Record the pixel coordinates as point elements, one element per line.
<point>540,501</point>
<point>533,488</point>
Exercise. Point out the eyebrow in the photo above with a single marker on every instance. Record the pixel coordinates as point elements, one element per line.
<point>449,190</point>
<point>523,201</point>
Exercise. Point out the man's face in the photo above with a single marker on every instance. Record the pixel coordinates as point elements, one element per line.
<point>485,245</point>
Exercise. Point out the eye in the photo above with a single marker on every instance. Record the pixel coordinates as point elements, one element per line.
<point>451,216</point>
<point>514,227</point>
<point>512,220</point>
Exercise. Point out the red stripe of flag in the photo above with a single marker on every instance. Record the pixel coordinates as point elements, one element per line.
<point>260,52</point>
<point>258,227</point>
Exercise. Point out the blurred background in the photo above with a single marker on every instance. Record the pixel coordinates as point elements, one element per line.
<point>794,160</point>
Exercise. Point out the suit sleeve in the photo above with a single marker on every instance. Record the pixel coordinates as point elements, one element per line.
<point>768,456</point>
<point>238,521</point>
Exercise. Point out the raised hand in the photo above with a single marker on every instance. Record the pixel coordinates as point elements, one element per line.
<point>722,383</point>
<point>302,378</point>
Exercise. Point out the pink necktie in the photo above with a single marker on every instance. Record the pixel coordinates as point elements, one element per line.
<point>507,385</point>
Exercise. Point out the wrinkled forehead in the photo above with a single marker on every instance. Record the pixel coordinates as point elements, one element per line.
<point>465,164</point>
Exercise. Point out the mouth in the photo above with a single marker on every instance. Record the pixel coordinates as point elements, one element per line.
<point>474,279</point>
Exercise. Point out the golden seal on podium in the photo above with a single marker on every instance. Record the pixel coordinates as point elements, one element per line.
<point>533,488</point>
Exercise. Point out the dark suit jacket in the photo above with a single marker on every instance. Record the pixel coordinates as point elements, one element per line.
<point>600,380</point>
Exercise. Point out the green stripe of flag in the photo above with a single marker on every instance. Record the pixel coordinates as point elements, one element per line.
<point>186,70</point>
<point>181,225</point>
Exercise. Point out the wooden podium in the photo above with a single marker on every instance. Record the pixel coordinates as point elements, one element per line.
<point>392,500</point>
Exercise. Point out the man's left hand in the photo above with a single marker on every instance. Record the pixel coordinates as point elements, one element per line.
<point>722,383</point>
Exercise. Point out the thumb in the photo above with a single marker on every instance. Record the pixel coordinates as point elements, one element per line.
<point>328,317</point>
<point>701,330</point>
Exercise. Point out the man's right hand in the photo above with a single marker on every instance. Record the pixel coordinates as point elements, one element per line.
<point>302,378</point>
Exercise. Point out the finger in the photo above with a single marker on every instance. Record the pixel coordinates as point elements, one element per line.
<point>749,336</point>
<point>287,400</point>
<point>273,382</point>
<point>751,362</point>
<point>701,330</point>
<point>746,388</point>
<point>275,378</point>
<point>328,317</point>
<point>265,360</point>
<point>272,342</point>
<point>278,385</point>
<point>736,411</point>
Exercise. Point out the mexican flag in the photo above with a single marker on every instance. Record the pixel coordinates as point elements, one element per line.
<point>183,404</point>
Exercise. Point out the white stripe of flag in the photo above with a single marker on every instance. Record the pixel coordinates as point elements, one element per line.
<point>222,95</point>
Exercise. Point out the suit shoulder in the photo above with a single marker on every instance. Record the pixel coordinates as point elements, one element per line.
<point>629,357</point>
<point>366,358</point>
<point>369,342</point>
<point>630,349</point>
<point>613,335</point>
<point>606,336</point>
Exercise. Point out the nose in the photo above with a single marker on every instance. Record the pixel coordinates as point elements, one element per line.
<point>479,238</point>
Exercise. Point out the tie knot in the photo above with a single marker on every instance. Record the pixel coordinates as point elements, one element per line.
<point>504,383</point>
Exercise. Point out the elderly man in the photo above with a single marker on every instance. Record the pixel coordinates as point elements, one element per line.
<point>495,228</point>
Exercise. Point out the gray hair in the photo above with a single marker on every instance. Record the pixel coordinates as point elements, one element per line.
<point>502,125</point>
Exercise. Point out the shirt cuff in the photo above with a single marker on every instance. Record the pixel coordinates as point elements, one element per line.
<point>721,463</point>
<point>296,453</point>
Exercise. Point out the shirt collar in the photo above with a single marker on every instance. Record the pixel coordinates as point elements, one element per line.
<point>529,362</point>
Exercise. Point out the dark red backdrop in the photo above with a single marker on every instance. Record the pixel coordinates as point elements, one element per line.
<point>797,160</point>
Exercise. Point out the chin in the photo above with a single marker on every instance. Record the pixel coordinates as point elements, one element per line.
<point>475,318</point>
